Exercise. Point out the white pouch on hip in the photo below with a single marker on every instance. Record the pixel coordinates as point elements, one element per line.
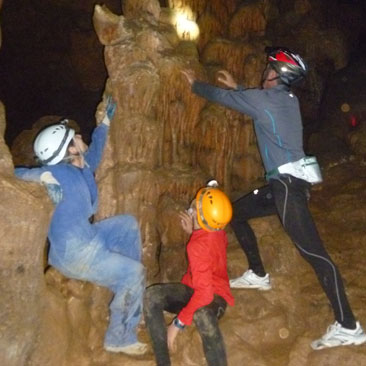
<point>306,168</point>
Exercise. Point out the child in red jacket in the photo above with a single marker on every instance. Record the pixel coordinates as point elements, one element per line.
<point>204,291</point>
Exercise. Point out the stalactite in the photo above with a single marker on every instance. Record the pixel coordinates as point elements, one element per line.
<point>193,8</point>
<point>231,56</point>
<point>219,138</point>
<point>222,9</point>
<point>176,92</point>
<point>248,19</point>
<point>210,27</point>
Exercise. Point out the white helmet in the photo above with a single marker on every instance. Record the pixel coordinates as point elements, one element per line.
<point>51,143</point>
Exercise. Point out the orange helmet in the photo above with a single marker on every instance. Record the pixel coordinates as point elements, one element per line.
<point>214,210</point>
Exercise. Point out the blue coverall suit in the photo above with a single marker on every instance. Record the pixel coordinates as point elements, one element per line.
<point>107,253</point>
<point>278,127</point>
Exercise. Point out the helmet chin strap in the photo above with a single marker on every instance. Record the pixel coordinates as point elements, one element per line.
<point>280,81</point>
<point>266,73</point>
<point>272,79</point>
<point>79,154</point>
<point>275,78</point>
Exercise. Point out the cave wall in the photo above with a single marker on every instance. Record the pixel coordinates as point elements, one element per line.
<point>164,144</point>
<point>25,214</point>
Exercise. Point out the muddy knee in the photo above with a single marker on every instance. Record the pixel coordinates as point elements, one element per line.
<point>205,320</point>
<point>153,298</point>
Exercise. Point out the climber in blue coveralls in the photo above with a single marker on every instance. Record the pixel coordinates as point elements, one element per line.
<point>108,252</point>
<point>278,126</point>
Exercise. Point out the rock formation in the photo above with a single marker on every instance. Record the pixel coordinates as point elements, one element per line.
<point>25,212</point>
<point>164,144</point>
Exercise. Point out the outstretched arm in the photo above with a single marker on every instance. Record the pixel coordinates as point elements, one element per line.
<point>95,151</point>
<point>224,77</point>
<point>29,174</point>
<point>243,100</point>
<point>44,177</point>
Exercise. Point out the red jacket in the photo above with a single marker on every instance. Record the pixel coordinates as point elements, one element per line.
<point>207,271</point>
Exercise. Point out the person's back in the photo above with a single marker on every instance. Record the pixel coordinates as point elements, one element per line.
<point>276,116</point>
<point>278,127</point>
<point>290,174</point>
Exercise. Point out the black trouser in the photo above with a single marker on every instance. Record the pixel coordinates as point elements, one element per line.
<point>172,297</point>
<point>288,197</point>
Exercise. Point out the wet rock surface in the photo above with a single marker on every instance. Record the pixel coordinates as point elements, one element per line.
<point>166,142</point>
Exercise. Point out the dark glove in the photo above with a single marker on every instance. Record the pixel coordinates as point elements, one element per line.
<point>109,111</point>
<point>53,187</point>
<point>111,107</point>
<point>54,192</point>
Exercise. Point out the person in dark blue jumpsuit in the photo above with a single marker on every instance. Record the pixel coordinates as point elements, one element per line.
<point>108,252</point>
<point>278,126</point>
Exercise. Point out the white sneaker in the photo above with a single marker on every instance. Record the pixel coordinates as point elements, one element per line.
<point>134,349</point>
<point>250,280</point>
<point>337,335</point>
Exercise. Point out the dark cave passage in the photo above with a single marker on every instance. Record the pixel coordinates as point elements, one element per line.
<point>42,70</point>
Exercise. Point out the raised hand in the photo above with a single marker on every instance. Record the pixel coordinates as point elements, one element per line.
<point>189,74</point>
<point>186,222</point>
<point>227,79</point>
<point>110,109</point>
